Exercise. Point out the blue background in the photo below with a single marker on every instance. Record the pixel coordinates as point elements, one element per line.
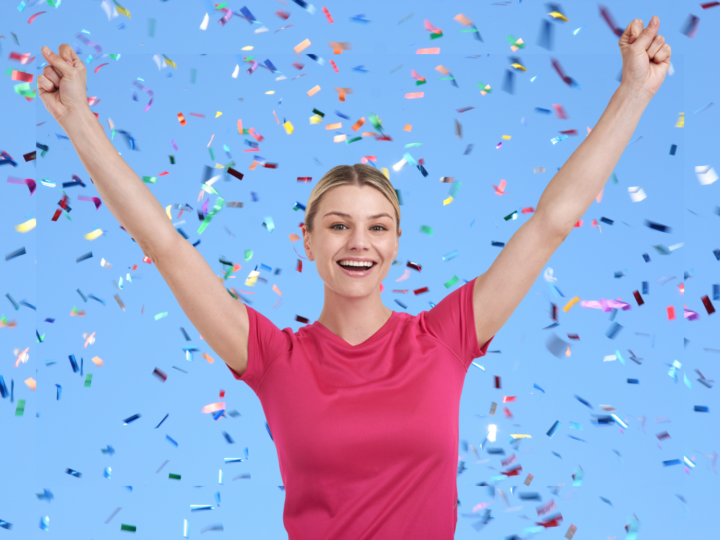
<point>623,466</point>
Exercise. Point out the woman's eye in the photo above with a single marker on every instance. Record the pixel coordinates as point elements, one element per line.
<point>375,227</point>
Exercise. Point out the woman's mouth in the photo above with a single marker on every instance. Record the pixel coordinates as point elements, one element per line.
<point>357,271</point>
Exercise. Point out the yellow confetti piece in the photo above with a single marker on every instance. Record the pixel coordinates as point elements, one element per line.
<point>386,172</point>
<point>270,92</point>
<point>93,235</point>
<point>680,121</point>
<point>170,62</point>
<point>571,303</point>
<point>122,10</point>
<point>462,19</point>
<point>558,15</point>
<point>218,114</point>
<point>97,361</point>
<point>247,48</point>
<point>339,138</point>
<point>288,127</point>
<point>32,384</point>
<point>29,225</point>
<point>313,91</point>
<point>252,278</point>
<point>518,66</point>
<point>336,125</point>
<point>448,200</point>
<point>275,288</point>
<point>506,137</point>
<point>316,119</point>
<point>302,46</point>
<point>519,436</point>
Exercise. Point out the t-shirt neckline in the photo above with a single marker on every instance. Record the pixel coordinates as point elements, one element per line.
<point>377,335</point>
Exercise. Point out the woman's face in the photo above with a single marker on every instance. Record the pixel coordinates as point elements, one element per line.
<point>366,230</point>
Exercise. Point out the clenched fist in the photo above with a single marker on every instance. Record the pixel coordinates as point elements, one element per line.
<point>62,84</point>
<point>646,57</point>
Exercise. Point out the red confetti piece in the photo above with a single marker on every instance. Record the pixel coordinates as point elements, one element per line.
<point>671,313</point>
<point>98,68</point>
<point>327,14</point>
<point>31,19</point>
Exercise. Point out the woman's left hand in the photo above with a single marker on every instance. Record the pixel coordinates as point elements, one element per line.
<point>646,57</point>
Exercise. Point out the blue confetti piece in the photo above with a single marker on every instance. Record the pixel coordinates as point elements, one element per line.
<point>553,429</point>
<point>173,441</point>
<point>702,408</point>
<point>536,386</point>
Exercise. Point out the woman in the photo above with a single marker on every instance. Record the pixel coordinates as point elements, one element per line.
<point>363,403</point>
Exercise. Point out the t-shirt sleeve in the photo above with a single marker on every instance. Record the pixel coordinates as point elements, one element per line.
<point>452,322</point>
<point>266,342</point>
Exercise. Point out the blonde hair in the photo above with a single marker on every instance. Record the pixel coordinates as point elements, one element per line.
<point>357,175</point>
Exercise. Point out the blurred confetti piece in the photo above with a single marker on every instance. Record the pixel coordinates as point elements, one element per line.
<point>93,235</point>
<point>31,384</point>
<point>313,91</point>
<point>636,194</point>
<point>706,174</point>
<point>302,46</point>
<point>27,226</point>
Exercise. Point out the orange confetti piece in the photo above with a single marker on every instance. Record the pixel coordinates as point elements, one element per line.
<point>414,95</point>
<point>302,46</point>
<point>181,118</point>
<point>294,237</point>
<point>276,118</point>
<point>253,165</point>
<point>313,91</point>
<point>276,289</point>
<point>407,127</point>
<point>442,69</point>
<point>357,125</point>
<point>336,125</point>
<point>97,361</point>
<point>462,19</point>
<point>32,384</point>
<point>240,128</point>
<point>209,358</point>
<point>431,50</point>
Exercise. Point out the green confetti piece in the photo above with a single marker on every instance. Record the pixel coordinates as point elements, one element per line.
<point>662,250</point>
<point>452,282</point>
<point>348,141</point>
<point>151,31</point>
<point>115,56</point>
<point>193,72</point>
<point>161,315</point>
<point>248,254</point>
<point>410,145</point>
<point>435,36</point>
<point>399,196</point>
<point>454,188</point>
<point>150,179</point>
<point>426,230</point>
<point>20,407</point>
<point>319,113</point>
<point>212,154</point>
<point>471,30</point>
<point>131,528</point>
<point>615,180</point>
<point>172,160</point>
<point>88,380</point>
<point>269,224</point>
<point>418,83</point>
<point>172,476</point>
<point>219,203</point>
<point>510,216</point>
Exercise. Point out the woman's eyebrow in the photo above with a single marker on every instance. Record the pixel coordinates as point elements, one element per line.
<point>341,214</point>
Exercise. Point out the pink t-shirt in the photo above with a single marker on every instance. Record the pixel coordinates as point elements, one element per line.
<point>367,435</point>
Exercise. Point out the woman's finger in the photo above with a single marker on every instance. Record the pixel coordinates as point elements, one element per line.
<point>655,46</point>
<point>60,64</point>
<point>51,75</point>
<point>45,83</point>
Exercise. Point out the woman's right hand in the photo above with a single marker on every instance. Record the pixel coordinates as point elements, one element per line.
<point>62,84</point>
